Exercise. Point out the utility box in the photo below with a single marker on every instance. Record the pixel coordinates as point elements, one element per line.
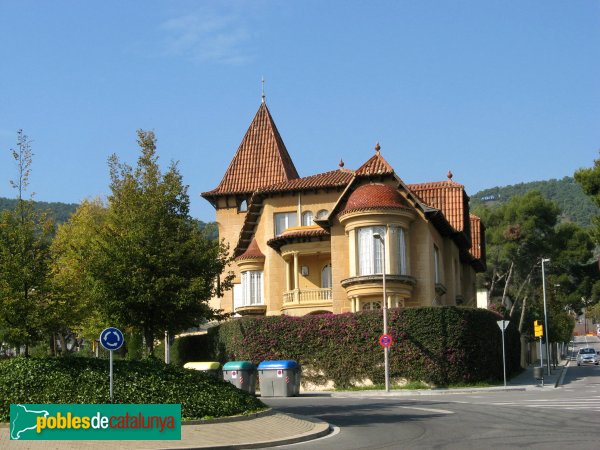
<point>279,378</point>
<point>242,374</point>
<point>210,367</point>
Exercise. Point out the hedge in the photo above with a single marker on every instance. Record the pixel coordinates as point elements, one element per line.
<point>85,380</point>
<point>436,345</point>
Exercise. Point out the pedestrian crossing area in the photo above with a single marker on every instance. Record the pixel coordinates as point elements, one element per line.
<point>579,403</point>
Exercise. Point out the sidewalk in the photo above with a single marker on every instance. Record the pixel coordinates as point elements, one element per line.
<point>270,428</point>
<point>266,429</point>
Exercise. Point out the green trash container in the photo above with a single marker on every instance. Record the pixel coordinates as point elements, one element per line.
<point>279,378</point>
<point>210,367</point>
<point>242,374</point>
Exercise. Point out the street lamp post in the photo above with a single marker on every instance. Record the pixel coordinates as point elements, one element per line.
<point>386,362</point>
<point>544,260</point>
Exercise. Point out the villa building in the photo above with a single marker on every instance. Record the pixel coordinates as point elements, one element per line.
<point>321,243</point>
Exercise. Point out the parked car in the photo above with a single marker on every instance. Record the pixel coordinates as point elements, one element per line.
<point>587,356</point>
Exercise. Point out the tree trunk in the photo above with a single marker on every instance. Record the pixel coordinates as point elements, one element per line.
<point>149,338</point>
<point>522,319</point>
<point>509,276</point>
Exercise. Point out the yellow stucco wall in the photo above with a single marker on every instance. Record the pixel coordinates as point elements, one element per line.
<point>340,251</point>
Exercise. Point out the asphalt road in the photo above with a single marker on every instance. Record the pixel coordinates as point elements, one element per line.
<point>566,417</point>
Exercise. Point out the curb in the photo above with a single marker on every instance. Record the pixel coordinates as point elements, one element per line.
<point>241,418</point>
<point>322,429</point>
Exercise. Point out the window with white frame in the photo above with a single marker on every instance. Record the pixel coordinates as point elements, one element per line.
<point>436,263</point>
<point>252,288</point>
<point>370,250</point>
<point>307,218</point>
<point>370,306</point>
<point>284,221</point>
<point>326,281</point>
<point>401,249</point>
<point>322,214</point>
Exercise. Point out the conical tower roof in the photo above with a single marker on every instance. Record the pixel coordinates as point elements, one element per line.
<point>376,165</point>
<point>261,159</point>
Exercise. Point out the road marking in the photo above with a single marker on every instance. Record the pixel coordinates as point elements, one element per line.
<point>438,411</point>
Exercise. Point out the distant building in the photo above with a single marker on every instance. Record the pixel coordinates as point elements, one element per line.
<point>305,245</point>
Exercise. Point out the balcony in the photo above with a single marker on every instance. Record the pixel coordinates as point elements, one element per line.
<point>307,297</point>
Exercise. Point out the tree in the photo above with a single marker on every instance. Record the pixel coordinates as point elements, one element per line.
<point>24,241</point>
<point>153,270</point>
<point>69,309</point>
<point>589,180</point>
<point>518,234</point>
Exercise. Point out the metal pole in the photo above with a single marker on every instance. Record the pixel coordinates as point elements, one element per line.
<point>541,354</point>
<point>167,349</point>
<point>385,349</point>
<point>503,355</point>
<point>546,331</point>
<point>110,375</point>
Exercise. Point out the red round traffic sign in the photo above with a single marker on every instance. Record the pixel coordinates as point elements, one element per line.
<point>385,340</point>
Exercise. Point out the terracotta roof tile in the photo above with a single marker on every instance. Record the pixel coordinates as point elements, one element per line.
<point>374,195</point>
<point>252,252</point>
<point>335,178</point>
<point>448,196</point>
<point>298,234</point>
<point>376,165</point>
<point>260,160</point>
<point>476,236</point>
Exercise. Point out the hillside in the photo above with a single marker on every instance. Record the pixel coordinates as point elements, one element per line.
<point>61,212</point>
<point>566,193</point>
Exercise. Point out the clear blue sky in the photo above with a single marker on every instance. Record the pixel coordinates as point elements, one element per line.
<point>499,92</point>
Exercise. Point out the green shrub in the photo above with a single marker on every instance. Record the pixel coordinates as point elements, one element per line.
<point>184,349</point>
<point>85,380</point>
<point>436,345</point>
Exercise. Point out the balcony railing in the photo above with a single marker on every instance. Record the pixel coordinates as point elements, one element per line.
<point>304,296</point>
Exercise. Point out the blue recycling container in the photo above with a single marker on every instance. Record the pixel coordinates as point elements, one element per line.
<point>279,378</point>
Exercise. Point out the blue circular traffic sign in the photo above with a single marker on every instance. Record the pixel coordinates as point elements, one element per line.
<point>112,338</point>
<point>385,340</point>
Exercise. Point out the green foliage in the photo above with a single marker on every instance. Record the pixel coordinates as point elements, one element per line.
<point>440,345</point>
<point>152,268</point>
<point>70,304</point>
<point>24,256</point>
<point>84,380</point>
<point>187,348</point>
<point>566,193</point>
<point>57,211</point>
<point>589,180</point>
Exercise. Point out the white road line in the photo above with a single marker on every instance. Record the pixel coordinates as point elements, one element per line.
<point>439,411</point>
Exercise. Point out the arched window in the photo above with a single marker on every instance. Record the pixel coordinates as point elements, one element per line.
<point>307,218</point>
<point>326,277</point>
<point>322,214</point>
<point>371,306</point>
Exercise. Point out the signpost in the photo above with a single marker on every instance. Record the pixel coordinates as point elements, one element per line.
<point>503,324</point>
<point>111,339</point>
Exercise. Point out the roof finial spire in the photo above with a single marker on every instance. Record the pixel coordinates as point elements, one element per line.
<point>263,90</point>
<point>450,175</point>
<point>341,163</point>
<point>377,148</point>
